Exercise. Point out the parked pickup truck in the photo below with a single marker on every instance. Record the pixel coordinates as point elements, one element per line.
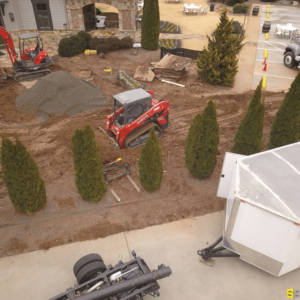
<point>292,54</point>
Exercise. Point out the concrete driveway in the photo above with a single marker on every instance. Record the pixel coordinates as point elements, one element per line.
<point>44,274</point>
<point>279,77</point>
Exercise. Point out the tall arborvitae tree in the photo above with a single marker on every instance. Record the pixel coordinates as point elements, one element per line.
<point>26,188</point>
<point>202,143</point>
<point>150,25</point>
<point>150,163</point>
<point>88,165</point>
<point>218,63</point>
<point>285,126</point>
<point>248,139</point>
<point>193,146</point>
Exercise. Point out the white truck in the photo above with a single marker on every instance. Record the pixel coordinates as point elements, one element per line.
<point>292,53</point>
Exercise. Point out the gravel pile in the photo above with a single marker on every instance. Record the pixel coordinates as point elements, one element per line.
<point>60,92</point>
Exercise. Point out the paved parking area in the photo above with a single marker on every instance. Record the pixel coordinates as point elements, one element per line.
<point>279,77</point>
<point>45,274</point>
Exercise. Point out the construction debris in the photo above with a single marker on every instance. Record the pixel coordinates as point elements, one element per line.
<point>134,84</point>
<point>82,74</point>
<point>144,74</point>
<point>172,66</point>
<point>171,82</point>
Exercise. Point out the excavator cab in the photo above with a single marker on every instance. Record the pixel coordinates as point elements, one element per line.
<point>130,105</point>
<point>32,61</point>
<point>37,55</point>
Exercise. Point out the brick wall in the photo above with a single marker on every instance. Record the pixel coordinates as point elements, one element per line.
<point>126,18</point>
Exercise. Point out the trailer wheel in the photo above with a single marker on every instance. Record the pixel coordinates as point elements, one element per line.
<point>90,271</point>
<point>289,60</point>
<point>85,260</point>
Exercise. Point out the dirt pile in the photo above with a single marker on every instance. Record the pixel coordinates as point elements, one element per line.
<point>60,92</point>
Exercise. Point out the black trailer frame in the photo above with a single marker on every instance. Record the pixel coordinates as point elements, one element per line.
<point>136,282</point>
<point>211,251</point>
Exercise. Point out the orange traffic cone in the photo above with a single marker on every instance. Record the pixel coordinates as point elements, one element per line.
<point>265,62</point>
<point>233,85</point>
<point>265,68</point>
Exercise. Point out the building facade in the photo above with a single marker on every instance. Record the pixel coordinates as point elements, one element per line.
<point>19,16</point>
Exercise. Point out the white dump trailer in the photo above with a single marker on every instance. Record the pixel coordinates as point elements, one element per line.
<point>262,214</point>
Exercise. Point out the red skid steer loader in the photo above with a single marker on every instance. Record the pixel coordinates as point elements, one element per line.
<point>135,112</point>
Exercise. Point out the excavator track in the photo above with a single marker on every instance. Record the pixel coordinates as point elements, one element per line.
<point>23,76</point>
<point>141,135</point>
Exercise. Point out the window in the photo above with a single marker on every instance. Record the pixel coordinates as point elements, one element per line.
<point>42,15</point>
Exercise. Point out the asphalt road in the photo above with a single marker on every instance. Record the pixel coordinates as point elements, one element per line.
<point>279,77</point>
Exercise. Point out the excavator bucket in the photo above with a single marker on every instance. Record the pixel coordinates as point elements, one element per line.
<point>3,74</point>
<point>115,170</point>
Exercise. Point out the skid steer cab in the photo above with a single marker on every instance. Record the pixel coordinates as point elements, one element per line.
<point>135,113</point>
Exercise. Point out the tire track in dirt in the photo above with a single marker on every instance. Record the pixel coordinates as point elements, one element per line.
<point>174,130</point>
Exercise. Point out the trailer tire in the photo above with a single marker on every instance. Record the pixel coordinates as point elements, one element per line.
<point>85,260</point>
<point>90,271</point>
<point>289,60</point>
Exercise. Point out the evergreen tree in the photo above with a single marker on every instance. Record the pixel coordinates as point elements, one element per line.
<point>202,143</point>
<point>193,146</point>
<point>150,25</point>
<point>150,163</point>
<point>218,63</point>
<point>88,165</point>
<point>26,188</point>
<point>248,139</point>
<point>285,126</point>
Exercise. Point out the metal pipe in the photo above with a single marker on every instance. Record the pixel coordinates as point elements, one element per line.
<point>95,286</point>
<point>127,285</point>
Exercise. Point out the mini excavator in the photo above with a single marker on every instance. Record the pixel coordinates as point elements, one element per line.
<point>33,61</point>
<point>135,112</point>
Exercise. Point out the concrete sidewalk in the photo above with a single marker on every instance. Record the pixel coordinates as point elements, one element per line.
<point>44,274</point>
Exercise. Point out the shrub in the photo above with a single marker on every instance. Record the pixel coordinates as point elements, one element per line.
<point>126,42</point>
<point>98,11</point>
<point>94,42</point>
<point>71,46</point>
<point>26,188</point>
<point>248,139</point>
<point>113,43</point>
<point>237,27</point>
<point>233,2</point>
<point>150,25</point>
<point>202,142</point>
<point>88,165</point>
<point>86,36</point>
<point>101,48</point>
<point>268,0</point>
<point>65,48</point>
<point>78,43</point>
<point>240,8</point>
<point>285,126</point>
<point>150,163</point>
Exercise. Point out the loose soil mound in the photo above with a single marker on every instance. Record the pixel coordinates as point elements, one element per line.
<point>60,92</point>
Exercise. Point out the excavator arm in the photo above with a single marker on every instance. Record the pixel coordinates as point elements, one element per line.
<point>9,45</point>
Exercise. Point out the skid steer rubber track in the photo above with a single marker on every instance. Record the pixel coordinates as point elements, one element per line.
<point>23,76</point>
<point>140,136</point>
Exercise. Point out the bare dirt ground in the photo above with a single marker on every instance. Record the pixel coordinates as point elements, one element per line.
<point>66,217</point>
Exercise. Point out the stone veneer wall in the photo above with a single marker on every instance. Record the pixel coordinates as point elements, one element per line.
<point>127,14</point>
